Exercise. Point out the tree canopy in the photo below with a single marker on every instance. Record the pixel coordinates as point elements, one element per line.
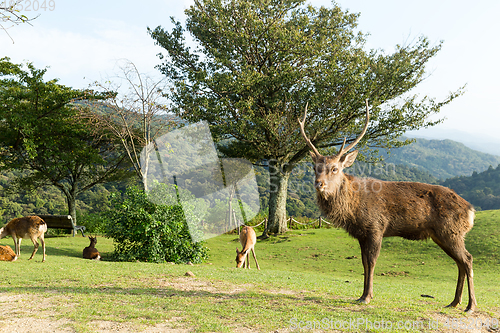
<point>41,132</point>
<point>256,64</point>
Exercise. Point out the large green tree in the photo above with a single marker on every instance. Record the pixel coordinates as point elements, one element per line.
<point>41,132</point>
<point>255,65</point>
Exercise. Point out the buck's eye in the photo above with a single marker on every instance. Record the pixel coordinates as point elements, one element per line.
<point>335,169</point>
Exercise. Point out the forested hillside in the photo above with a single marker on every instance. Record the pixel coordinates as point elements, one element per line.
<point>49,199</point>
<point>481,189</point>
<point>301,194</point>
<point>442,158</point>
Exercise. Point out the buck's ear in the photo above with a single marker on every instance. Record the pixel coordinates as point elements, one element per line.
<point>348,159</point>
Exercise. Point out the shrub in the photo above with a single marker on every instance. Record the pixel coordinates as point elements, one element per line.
<point>94,223</point>
<point>145,231</point>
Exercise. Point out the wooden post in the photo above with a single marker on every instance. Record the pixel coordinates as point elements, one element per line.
<point>265,223</point>
<point>237,227</point>
<point>230,214</point>
<point>320,222</point>
<point>236,221</point>
<point>290,222</point>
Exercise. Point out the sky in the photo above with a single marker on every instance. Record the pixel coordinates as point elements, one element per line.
<point>84,41</point>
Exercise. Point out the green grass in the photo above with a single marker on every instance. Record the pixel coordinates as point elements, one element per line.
<point>311,277</point>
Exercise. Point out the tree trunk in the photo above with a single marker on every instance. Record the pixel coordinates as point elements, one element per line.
<point>71,200</point>
<point>278,186</point>
<point>144,167</point>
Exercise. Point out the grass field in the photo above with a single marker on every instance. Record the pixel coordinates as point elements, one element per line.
<point>308,281</point>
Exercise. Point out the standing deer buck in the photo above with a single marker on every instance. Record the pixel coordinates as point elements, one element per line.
<point>370,209</point>
<point>32,227</point>
<point>247,240</point>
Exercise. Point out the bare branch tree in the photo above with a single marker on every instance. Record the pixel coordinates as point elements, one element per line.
<point>11,14</point>
<point>135,112</point>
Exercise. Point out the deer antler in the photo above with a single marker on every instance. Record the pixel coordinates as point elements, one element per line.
<point>309,143</point>
<point>342,151</point>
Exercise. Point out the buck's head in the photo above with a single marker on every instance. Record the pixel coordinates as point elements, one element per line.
<point>93,240</point>
<point>329,169</point>
<point>240,258</point>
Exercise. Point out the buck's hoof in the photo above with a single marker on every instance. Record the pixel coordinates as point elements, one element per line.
<point>470,309</point>
<point>362,301</point>
<point>453,304</point>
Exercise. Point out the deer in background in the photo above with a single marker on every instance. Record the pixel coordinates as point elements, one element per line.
<point>90,252</point>
<point>247,241</point>
<point>32,227</point>
<point>370,209</point>
<point>7,254</point>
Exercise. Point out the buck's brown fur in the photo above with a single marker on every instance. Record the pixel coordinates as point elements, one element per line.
<point>370,209</point>
<point>90,252</point>
<point>248,238</point>
<point>7,254</point>
<point>32,227</point>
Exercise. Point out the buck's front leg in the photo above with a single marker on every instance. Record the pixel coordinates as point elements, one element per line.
<point>370,249</point>
<point>17,245</point>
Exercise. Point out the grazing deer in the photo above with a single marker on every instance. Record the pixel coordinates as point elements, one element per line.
<point>32,227</point>
<point>370,209</point>
<point>7,254</point>
<point>247,240</point>
<point>90,252</point>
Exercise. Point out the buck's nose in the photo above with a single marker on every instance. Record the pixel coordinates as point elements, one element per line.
<point>319,184</point>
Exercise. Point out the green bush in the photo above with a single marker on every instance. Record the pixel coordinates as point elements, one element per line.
<point>145,231</point>
<point>94,223</point>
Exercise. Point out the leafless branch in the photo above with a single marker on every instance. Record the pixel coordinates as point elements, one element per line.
<point>136,114</point>
<point>11,14</point>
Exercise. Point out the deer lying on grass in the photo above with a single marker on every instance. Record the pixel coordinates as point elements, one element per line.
<point>247,241</point>
<point>7,254</point>
<point>370,209</point>
<point>32,227</point>
<point>90,252</point>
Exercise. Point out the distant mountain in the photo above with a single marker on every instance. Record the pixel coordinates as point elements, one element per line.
<point>392,172</point>
<point>482,142</point>
<point>442,158</point>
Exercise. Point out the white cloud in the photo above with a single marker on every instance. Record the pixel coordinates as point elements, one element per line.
<point>73,55</point>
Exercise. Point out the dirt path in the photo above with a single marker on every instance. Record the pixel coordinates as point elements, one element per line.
<point>27,313</point>
<point>30,314</point>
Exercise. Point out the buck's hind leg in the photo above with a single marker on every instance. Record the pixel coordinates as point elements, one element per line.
<point>471,306</point>
<point>35,247</point>
<point>256,263</point>
<point>455,248</point>
<point>42,240</point>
